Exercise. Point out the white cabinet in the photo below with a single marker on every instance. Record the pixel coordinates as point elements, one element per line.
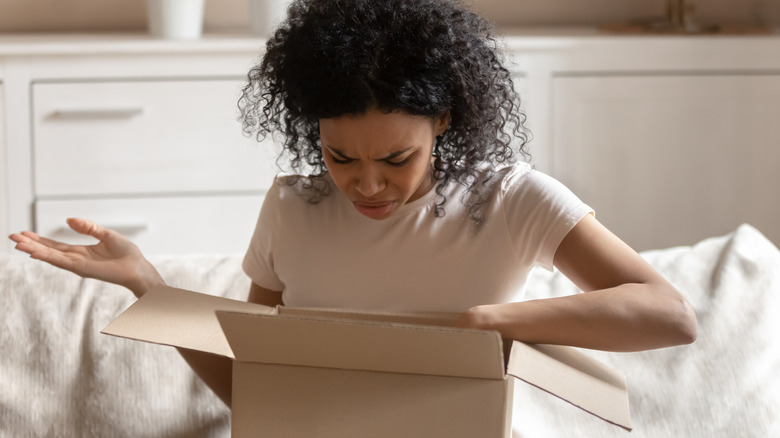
<point>670,138</point>
<point>144,137</point>
<point>160,225</point>
<point>162,161</point>
<point>138,134</point>
<point>670,159</point>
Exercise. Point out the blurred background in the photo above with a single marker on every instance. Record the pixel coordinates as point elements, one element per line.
<point>672,137</point>
<point>226,15</point>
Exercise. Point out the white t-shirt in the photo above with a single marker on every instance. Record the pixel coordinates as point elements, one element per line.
<point>329,255</point>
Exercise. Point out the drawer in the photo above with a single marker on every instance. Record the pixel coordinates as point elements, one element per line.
<point>164,225</point>
<point>145,137</point>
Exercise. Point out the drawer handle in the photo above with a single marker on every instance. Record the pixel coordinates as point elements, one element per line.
<point>98,113</point>
<point>123,229</point>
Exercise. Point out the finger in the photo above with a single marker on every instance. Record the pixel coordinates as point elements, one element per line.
<point>70,258</point>
<point>26,241</point>
<point>31,243</point>
<point>36,249</point>
<point>55,258</point>
<point>23,235</point>
<point>17,237</point>
<point>23,243</point>
<point>50,251</point>
<point>59,246</point>
<point>86,226</point>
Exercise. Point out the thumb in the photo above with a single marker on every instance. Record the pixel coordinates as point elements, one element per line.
<point>86,226</point>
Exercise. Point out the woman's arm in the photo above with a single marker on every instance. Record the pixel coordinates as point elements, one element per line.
<point>628,306</point>
<point>117,260</point>
<point>217,371</point>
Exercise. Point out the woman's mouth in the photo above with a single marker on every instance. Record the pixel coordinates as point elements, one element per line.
<point>374,210</point>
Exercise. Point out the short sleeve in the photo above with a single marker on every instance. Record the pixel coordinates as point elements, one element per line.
<point>258,262</point>
<point>540,211</point>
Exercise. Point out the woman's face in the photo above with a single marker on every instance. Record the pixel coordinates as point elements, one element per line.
<point>381,161</point>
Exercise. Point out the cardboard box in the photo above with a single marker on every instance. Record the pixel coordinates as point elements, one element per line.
<point>329,373</point>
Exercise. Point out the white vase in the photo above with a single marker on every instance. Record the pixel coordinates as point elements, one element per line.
<point>265,15</point>
<point>175,19</point>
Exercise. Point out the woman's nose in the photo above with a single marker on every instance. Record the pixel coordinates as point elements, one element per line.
<point>369,181</point>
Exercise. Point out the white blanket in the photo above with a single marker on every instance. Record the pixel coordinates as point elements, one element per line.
<point>60,377</point>
<point>727,384</point>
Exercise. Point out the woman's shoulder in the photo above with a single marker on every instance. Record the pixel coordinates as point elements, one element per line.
<point>311,189</point>
<point>489,182</point>
<point>525,190</point>
<point>516,174</point>
<point>523,177</point>
<point>522,187</point>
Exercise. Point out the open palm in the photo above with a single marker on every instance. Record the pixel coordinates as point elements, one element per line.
<point>114,258</point>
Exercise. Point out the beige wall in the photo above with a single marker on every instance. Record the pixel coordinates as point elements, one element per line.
<point>104,15</point>
<point>578,12</point>
<point>124,15</point>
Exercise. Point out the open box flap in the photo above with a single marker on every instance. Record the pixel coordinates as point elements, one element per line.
<point>180,318</point>
<point>364,345</point>
<point>575,377</point>
<point>443,319</point>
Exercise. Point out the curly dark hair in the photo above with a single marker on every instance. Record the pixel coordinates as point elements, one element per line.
<point>424,57</point>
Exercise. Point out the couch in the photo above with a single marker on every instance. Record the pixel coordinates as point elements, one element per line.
<point>59,377</point>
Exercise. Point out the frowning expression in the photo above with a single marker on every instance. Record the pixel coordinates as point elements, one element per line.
<point>381,161</point>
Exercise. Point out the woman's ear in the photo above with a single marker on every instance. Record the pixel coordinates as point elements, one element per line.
<point>442,122</point>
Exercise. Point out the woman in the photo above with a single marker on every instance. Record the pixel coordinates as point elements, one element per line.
<point>402,125</point>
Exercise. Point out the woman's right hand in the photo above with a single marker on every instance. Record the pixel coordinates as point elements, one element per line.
<point>114,258</point>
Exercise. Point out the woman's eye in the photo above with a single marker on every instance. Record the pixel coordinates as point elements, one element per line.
<point>340,160</point>
<point>398,163</point>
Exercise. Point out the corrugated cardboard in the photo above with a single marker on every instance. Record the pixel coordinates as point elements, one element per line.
<point>326,373</point>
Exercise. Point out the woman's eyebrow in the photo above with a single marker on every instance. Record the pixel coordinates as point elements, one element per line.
<point>338,152</point>
<point>390,156</point>
<point>394,154</point>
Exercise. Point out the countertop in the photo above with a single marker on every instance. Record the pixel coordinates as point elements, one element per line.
<point>518,39</point>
